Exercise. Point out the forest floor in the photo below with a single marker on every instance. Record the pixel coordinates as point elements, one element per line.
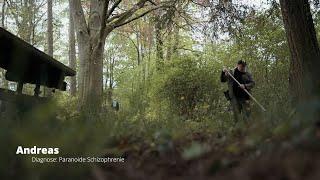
<point>233,158</point>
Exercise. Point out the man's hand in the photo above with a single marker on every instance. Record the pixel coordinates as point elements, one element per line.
<point>225,70</point>
<point>242,86</point>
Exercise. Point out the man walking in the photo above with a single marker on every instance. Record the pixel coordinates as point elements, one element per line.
<point>236,94</point>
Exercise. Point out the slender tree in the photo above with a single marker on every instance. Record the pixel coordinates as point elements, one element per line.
<point>159,41</point>
<point>72,51</point>
<point>158,26</point>
<point>50,29</point>
<point>47,91</point>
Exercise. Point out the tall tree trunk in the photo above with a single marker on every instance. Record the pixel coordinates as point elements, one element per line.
<point>305,54</point>
<point>159,45</point>
<point>50,29</point>
<point>173,43</point>
<point>169,44</point>
<point>91,69</point>
<point>91,49</point>
<point>47,91</point>
<point>3,13</point>
<point>304,82</point>
<point>72,51</point>
<point>176,42</point>
<point>111,79</point>
<point>159,39</point>
<point>3,16</point>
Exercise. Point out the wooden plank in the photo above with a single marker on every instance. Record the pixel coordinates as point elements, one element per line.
<point>26,64</point>
<point>8,39</point>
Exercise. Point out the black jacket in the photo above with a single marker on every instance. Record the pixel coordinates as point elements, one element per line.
<point>244,78</point>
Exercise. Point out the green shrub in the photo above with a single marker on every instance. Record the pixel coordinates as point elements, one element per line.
<point>189,87</point>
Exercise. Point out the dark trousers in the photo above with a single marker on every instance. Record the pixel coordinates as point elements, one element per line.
<point>241,107</point>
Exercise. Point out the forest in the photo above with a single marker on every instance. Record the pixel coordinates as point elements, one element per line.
<point>143,95</point>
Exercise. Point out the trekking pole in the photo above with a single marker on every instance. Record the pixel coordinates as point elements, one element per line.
<point>254,99</point>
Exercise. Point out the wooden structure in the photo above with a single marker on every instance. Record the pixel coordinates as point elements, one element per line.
<point>26,64</point>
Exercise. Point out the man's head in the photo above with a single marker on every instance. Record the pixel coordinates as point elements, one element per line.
<point>241,65</point>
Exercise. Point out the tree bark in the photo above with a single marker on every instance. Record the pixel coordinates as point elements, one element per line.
<point>91,48</point>
<point>305,54</point>
<point>304,82</point>
<point>72,51</point>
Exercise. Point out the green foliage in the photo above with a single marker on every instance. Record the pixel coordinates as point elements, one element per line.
<point>188,87</point>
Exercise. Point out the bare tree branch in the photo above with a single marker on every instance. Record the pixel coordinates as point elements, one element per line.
<point>127,14</point>
<point>152,2</point>
<point>124,18</point>
<point>114,6</point>
<point>104,16</point>
<point>138,16</point>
